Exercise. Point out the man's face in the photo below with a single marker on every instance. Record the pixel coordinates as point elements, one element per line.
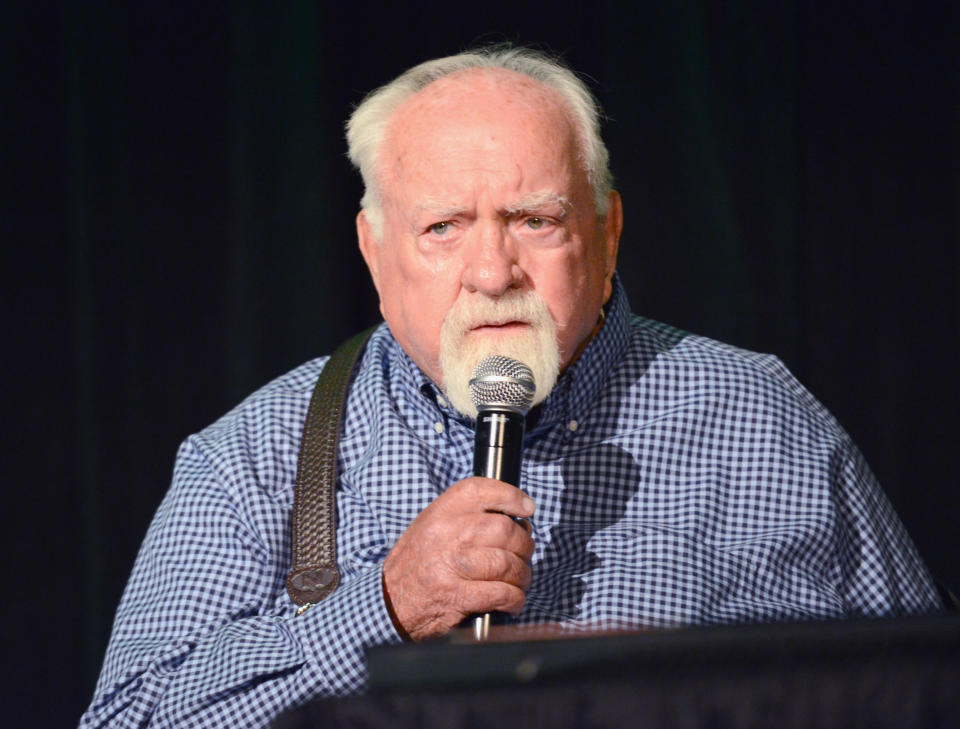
<point>483,198</point>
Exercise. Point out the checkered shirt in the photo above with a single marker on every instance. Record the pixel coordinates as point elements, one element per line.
<point>678,481</point>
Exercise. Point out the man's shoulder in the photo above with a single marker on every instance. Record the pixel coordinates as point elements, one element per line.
<point>683,347</point>
<point>277,410</point>
<point>256,442</point>
<point>281,400</point>
<point>683,361</point>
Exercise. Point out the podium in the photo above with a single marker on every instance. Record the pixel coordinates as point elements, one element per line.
<point>866,673</point>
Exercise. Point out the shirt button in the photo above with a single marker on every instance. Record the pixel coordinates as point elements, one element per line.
<point>441,402</point>
<point>438,426</point>
<point>573,425</point>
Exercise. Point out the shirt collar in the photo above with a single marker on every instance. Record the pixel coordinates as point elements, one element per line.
<point>571,397</point>
<point>579,386</point>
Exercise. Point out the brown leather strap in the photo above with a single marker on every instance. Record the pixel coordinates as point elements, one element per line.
<point>314,573</point>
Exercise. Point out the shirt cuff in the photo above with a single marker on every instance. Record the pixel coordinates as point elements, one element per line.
<point>335,633</point>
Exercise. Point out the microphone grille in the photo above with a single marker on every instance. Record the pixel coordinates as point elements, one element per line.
<point>502,382</point>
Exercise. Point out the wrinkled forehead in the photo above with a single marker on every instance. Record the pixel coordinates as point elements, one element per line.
<point>499,100</point>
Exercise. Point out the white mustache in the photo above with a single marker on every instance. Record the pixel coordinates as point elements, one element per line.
<point>520,308</point>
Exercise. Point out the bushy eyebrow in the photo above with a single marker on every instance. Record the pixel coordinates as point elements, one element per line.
<point>538,200</point>
<point>439,209</point>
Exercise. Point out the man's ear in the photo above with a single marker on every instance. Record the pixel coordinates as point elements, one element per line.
<point>612,227</point>
<point>369,249</point>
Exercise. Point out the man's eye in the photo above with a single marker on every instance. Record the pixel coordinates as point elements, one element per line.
<point>536,223</point>
<point>440,228</point>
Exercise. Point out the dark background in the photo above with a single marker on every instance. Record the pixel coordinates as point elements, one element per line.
<point>177,222</point>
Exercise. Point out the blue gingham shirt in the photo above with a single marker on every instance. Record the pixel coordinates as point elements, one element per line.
<point>678,481</point>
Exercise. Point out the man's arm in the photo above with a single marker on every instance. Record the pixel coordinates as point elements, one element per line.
<point>205,635</point>
<point>880,570</point>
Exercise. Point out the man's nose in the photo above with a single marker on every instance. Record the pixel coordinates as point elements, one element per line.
<point>491,266</point>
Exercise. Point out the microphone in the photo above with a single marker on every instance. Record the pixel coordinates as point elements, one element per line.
<point>502,390</point>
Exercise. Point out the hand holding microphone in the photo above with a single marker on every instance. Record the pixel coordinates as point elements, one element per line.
<point>460,557</point>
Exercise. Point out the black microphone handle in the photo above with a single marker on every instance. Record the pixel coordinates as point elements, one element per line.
<point>497,447</point>
<point>498,444</point>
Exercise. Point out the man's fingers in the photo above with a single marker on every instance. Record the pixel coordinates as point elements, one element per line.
<point>493,565</point>
<point>497,530</point>
<point>486,597</point>
<point>496,496</point>
<point>465,553</point>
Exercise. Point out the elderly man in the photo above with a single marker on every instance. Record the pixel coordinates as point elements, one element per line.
<point>667,480</point>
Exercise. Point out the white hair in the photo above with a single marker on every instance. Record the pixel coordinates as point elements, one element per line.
<point>368,123</point>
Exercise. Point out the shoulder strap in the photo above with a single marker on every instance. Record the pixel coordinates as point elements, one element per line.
<point>314,574</point>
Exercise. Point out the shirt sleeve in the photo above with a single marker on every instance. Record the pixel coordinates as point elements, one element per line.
<point>866,561</point>
<point>205,636</point>
<point>880,571</point>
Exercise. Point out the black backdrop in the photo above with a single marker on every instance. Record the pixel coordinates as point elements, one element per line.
<point>177,229</point>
